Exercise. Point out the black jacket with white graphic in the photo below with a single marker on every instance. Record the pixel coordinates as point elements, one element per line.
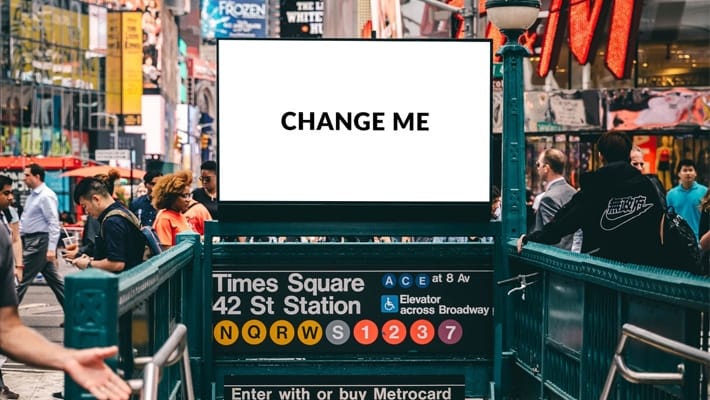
<point>619,212</point>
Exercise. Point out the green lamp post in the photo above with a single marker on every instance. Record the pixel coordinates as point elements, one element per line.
<point>512,18</point>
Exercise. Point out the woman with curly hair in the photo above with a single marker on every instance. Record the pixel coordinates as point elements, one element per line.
<point>171,197</point>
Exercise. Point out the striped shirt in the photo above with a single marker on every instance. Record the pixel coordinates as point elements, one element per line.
<point>42,215</point>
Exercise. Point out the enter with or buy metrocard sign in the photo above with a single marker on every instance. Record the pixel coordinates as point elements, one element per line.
<point>393,125</point>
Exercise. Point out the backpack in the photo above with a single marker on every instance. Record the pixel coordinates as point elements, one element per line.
<point>152,245</point>
<point>678,243</point>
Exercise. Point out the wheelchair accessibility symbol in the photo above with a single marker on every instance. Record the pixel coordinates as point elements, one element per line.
<point>389,303</point>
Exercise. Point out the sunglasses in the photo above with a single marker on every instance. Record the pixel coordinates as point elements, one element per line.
<point>537,164</point>
<point>637,164</point>
<point>205,179</point>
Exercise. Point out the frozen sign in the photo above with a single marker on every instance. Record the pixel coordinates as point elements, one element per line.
<point>352,121</point>
<point>233,18</point>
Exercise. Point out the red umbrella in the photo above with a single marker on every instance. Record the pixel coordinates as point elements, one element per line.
<point>103,169</point>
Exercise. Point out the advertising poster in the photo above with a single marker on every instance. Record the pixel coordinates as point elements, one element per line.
<point>222,19</point>
<point>340,19</point>
<point>555,111</point>
<point>301,18</point>
<point>114,66</point>
<point>630,109</point>
<point>124,74</point>
<point>40,29</point>
<point>152,43</point>
<point>9,141</point>
<point>358,132</point>
<point>131,72</point>
<point>386,19</point>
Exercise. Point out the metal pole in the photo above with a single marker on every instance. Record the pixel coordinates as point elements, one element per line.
<point>131,178</point>
<point>115,131</point>
<point>514,201</point>
<point>513,198</point>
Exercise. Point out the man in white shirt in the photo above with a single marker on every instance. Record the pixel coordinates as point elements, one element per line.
<point>39,229</point>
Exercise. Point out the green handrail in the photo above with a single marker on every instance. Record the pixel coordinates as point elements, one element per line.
<point>100,304</point>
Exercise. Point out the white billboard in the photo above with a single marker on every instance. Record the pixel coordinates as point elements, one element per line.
<point>381,121</point>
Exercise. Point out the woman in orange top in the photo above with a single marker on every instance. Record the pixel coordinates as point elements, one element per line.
<point>196,214</point>
<point>171,196</point>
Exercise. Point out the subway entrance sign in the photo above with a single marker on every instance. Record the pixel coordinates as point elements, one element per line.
<point>365,311</point>
<point>331,316</point>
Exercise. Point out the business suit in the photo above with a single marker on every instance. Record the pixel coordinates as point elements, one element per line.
<point>558,193</point>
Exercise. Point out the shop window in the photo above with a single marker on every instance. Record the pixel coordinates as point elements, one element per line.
<point>673,44</point>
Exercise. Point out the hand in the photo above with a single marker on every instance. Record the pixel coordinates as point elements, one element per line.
<point>51,256</point>
<point>19,273</point>
<point>520,243</point>
<point>69,255</point>
<point>82,262</point>
<point>88,369</point>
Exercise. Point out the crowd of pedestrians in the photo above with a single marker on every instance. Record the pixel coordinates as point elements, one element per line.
<point>617,210</point>
<point>111,241</point>
<point>86,367</point>
<point>615,214</point>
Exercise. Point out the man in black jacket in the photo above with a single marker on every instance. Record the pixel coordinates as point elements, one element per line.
<point>617,208</point>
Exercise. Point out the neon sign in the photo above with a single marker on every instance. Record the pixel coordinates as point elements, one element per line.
<point>584,29</point>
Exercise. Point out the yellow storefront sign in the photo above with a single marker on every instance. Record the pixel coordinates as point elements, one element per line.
<point>113,63</point>
<point>132,61</point>
<point>124,76</point>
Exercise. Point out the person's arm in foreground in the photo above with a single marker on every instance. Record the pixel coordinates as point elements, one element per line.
<point>86,367</point>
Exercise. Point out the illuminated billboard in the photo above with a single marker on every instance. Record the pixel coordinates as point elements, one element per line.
<point>301,18</point>
<point>50,45</point>
<point>365,138</point>
<point>233,18</point>
<point>124,66</point>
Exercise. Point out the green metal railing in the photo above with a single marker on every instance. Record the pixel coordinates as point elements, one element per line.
<point>136,310</point>
<point>566,311</point>
<point>566,329</point>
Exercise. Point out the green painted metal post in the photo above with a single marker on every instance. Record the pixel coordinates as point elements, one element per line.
<point>514,201</point>
<point>192,306</point>
<point>91,317</point>
<point>513,222</point>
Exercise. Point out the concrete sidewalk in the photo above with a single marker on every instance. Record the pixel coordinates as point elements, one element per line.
<point>40,311</point>
<point>32,383</point>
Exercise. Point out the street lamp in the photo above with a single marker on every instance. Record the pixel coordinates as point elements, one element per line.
<point>512,18</point>
<point>114,117</point>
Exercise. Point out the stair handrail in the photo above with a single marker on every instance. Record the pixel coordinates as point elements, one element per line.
<point>656,341</point>
<point>173,350</point>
